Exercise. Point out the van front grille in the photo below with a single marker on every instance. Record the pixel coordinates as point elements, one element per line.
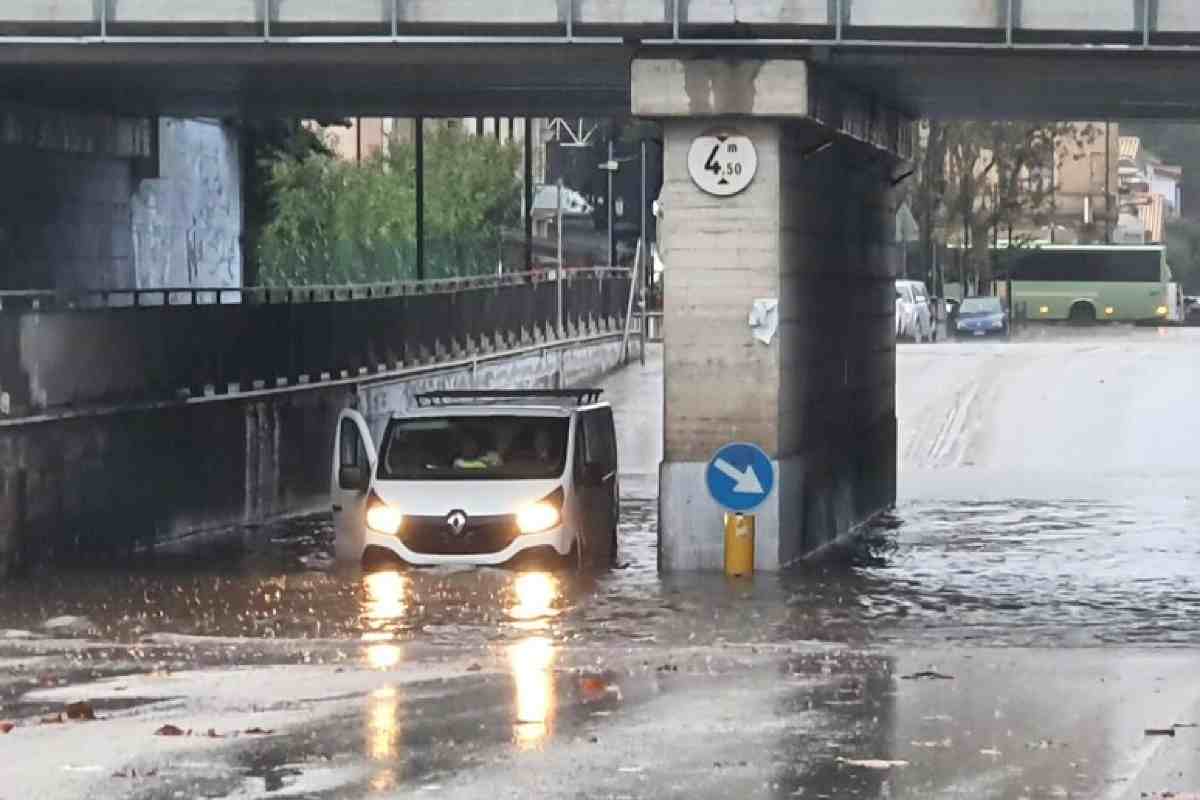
<point>482,536</point>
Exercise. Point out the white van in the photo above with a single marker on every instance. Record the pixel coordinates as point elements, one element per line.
<point>480,477</point>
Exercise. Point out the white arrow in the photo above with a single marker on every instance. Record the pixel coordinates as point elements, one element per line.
<point>744,482</point>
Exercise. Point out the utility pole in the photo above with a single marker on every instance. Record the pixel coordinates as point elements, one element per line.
<point>559,276</point>
<point>528,155</point>
<point>419,132</point>
<point>1107,186</point>
<point>610,169</point>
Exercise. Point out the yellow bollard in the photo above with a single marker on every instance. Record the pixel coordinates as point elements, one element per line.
<point>739,544</point>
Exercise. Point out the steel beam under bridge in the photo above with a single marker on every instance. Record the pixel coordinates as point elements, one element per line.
<point>1022,58</point>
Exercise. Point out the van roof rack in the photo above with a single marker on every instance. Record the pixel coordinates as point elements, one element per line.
<point>448,397</point>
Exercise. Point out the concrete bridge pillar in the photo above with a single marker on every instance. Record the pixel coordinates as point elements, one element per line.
<point>814,231</point>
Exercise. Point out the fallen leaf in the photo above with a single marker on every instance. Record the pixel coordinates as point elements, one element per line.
<point>82,710</point>
<point>259,731</point>
<point>871,763</point>
<point>169,730</point>
<point>5,727</point>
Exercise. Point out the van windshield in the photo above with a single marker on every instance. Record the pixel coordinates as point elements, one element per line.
<point>474,448</point>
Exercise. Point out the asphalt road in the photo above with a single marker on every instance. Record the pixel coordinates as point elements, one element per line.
<point>1029,612</point>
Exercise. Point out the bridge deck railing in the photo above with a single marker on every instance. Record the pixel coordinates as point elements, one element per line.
<point>68,355</point>
<point>969,21</point>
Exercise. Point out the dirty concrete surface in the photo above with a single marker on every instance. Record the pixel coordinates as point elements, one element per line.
<point>1013,630</point>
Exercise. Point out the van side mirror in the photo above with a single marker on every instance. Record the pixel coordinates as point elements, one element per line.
<point>354,478</point>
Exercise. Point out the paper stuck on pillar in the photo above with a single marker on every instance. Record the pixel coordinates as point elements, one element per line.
<point>764,319</point>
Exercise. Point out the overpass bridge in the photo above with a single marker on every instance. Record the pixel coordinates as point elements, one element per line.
<point>1069,58</point>
<point>823,92</point>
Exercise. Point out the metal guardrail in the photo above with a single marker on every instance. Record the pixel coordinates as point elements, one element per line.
<point>93,299</point>
<point>842,23</point>
<point>137,354</point>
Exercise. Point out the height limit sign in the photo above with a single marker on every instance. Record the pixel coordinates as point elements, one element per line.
<point>722,163</point>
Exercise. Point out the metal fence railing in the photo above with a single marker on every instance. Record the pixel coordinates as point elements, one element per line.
<point>84,299</point>
<point>86,352</point>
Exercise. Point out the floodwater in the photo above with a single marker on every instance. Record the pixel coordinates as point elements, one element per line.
<point>990,573</point>
<point>1012,630</point>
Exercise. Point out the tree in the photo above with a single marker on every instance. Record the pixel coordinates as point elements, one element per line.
<point>264,143</point>
<point>337,222</point>
<point>977,179</point>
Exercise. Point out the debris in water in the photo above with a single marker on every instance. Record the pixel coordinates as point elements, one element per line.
<point>68,624</point>
<point>944,744</point>
<point>872,763</point>
<point>82,711</point>
<point>169,730</point>
<point>927,675</point>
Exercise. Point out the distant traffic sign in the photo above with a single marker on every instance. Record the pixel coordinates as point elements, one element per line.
<point>740,477</point>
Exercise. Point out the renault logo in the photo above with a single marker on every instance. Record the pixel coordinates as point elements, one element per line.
<point>457,521</point>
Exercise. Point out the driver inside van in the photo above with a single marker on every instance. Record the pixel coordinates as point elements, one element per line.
<point>472,457</point>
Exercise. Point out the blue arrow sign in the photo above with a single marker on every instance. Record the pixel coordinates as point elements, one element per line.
<point>740,477</point>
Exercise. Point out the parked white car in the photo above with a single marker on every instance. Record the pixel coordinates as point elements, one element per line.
<point>914,318</point>
<point>480,478</point>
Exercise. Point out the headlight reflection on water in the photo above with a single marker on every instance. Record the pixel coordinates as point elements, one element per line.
<point>532,662</point>
<point>386,598</point>
<point>535,595</point>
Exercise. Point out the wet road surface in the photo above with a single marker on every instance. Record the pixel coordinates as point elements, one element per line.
<point>972,645</point>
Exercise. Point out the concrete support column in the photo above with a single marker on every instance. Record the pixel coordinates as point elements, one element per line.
<point>812,232</point>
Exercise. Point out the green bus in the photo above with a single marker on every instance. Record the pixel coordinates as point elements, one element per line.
<point>1090,283</point>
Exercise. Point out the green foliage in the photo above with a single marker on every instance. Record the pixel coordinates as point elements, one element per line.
<point>265,143</point>
<point>338,222</point>
<point>977,180</point>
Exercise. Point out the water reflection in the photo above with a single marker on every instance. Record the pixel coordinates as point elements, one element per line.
<point>532,662</point>
<point>535,594</point>
<point>384,656</point>
<point>386,600</point>
<point>383,725</point>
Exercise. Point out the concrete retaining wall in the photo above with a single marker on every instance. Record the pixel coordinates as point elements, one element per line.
<point>76,213</point>
<point>107,484</point>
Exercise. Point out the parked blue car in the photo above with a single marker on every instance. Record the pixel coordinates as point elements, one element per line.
<point>980,317</point>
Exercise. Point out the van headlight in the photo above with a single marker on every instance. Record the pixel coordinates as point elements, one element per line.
<point>538,517</point>
<point>383,518</point>
<point>542,515</point>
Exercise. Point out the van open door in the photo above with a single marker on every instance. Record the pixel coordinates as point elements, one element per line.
<point>353,466</point>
